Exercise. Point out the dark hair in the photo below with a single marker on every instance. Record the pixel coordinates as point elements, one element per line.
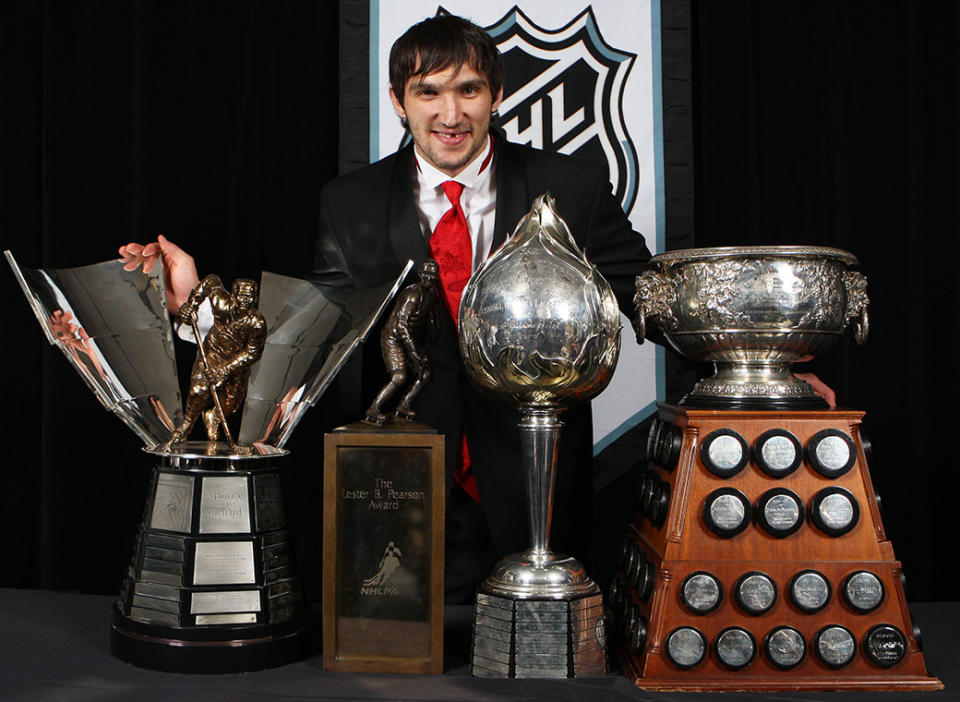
<point>438,42</point>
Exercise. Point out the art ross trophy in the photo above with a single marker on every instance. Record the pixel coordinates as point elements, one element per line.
<point>539,328</point>
<point>212,586</point>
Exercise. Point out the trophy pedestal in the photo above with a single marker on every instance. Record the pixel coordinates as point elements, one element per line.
<point>758,560</point>
<point>211,587</point>
<point>538,638</point>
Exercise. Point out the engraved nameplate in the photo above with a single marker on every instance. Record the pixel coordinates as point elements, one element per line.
<point>228,601</point>
<point>173,503</point>
<point>206,619</point>
<point>223,563</point>
<point>224,506</point>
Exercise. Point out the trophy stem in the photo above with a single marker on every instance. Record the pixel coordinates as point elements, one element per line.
<point>540,433</point>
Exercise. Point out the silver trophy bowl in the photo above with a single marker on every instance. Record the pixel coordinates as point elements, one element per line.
<point>540,329</point>
<point>752,311</point>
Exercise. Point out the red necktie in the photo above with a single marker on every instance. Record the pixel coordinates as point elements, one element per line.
<point>452,249</point>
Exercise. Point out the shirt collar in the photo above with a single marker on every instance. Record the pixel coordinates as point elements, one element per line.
<point>431,177</point>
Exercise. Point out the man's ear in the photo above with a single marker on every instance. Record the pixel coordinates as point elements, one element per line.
<point>397,105</point>
<point>497,100</point>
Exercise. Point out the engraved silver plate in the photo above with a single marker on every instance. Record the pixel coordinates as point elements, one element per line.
<point>225,505</point>
<point>727,512</point>
<point>836,511</point>
<point>173,503</point>
<point>700,593</point>
<point>725,452</point>
<point>210,619</point>
<point>833,453</point>
<point>863,591</point>
<point>686,647</point>
<point>810,591</point>
<point>835,646</point>
<point>785,647</point>
<point>781,512</point>
<point>228,601</point>
<point>778,452</point>
<point>756,593</point>
<point>735,647</point>
<point>223,563</point>
<point>885,645</point>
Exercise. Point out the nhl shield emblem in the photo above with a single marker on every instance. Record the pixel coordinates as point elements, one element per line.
<point>564,92</point>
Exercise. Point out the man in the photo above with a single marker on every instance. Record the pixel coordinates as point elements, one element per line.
<point>446,83</point>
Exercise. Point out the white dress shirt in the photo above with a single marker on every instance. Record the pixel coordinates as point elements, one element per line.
<point>478,200</point>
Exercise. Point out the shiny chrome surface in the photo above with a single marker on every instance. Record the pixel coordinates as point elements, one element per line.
<point>752,311</point>
<point>539,328</point>
<point>312,331</point>
<point>112,325</point>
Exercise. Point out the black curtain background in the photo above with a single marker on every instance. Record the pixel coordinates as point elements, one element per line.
<point>216,123</point>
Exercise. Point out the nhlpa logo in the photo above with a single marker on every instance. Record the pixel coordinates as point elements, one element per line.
<point>564,92</point>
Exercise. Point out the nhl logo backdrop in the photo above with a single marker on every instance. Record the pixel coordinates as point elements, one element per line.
<point>581,79</point>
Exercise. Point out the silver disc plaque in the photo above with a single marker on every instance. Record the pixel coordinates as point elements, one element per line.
<point>700,592</point>
<point>778,452</point>
<point>785,647</point>
<point>638,635</point>
<point>685,647</point>
<point>835,645</point>
<point>727,512</point>
<point>724,452</point>
<point>809,591</point>
<point>831,452</point>
<point>862,591</point>
<point>779,512</point>
<point>735,647</point>
<point>835,511</point>
<point>885,645</point>
<point>755,592</point>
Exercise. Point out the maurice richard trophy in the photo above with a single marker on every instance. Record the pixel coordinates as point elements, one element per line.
<point>539,329</point>
<point>212,586</point>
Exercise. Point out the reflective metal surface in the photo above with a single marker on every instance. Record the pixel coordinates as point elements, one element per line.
<point>685,647</point>
<point>752,311</point>
<point>778,452</point>
<point>312,330</point>
<point>809,591</point>
<point>735,647</point>
<point>863,591</point>
<point>112,325</point>
<point>835,646</point>
<point>885,645</point>
<point>539,328</point>
<point>831,452</point>
<point>700,592</point>
<point>724,452</point>
<point>835,511</point>
<point>785,647</point>
<point>755,593</point>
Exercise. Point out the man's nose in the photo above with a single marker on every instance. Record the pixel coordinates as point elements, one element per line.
<point>450,110</point>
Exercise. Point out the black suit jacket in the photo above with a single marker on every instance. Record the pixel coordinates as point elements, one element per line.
<point>368,228</point>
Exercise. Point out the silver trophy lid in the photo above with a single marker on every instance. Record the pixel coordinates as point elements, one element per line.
<point>112,325</point>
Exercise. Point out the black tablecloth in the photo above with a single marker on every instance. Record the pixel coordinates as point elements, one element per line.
<point>55,646</point>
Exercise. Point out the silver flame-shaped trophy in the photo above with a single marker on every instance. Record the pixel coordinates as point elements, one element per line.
<point>539,329</point>
<point>212,586</point>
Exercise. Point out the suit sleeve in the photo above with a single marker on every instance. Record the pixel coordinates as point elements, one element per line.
<point>618,252</point>
<point>330,267</point>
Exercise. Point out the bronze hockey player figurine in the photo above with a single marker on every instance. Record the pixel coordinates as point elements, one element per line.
<point>403,342</point>
<point>218,382</point>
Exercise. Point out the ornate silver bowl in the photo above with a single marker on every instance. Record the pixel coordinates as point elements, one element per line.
<point>752,311</point>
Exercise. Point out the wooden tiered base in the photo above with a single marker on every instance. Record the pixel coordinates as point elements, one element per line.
<point>670,539</point>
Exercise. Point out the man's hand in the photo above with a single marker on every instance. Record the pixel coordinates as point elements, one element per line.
<point>180,272</point>
<point>820,388</point>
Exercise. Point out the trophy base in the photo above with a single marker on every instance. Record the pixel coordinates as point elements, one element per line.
<point>760,387</point>
<point>696,400</point>
<point>230,650</point>
<point>538,638</point>
<point>211,586</point>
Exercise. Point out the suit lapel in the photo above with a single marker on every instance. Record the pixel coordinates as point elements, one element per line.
<point>405,234</point>
<point>513,200</point>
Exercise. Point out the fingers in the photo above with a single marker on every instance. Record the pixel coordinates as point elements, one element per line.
<point>821,388</point>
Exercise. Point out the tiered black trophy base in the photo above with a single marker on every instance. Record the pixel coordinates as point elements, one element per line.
<point>538,638</point>
<point>757,560</point>
<point>211,587</point>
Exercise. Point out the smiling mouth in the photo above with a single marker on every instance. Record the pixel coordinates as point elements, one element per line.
<point>451,138</point>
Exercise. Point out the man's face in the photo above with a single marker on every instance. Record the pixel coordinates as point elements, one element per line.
<point>245,296</point>
<point>449,115</point>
